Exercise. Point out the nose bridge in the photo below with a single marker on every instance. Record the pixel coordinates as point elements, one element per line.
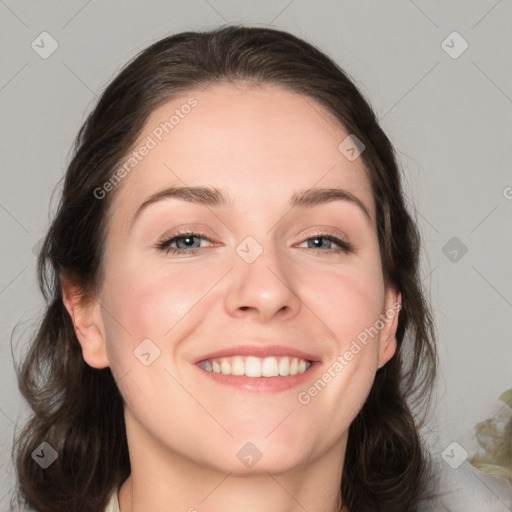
<point>261,281</point>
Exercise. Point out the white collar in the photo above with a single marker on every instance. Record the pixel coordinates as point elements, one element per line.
<point>113,504</point>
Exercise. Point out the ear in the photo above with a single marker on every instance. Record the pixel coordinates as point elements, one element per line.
<point>387,339</point>
<point>86,316</point>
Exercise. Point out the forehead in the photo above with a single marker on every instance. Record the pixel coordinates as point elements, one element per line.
<point>259,144</point>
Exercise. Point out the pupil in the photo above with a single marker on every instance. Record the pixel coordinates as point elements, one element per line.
<point>187,240</point>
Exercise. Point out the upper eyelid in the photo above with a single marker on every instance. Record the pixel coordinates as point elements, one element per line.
<point>200,234</point>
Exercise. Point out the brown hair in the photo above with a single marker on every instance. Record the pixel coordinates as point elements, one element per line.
<point>78,410</point>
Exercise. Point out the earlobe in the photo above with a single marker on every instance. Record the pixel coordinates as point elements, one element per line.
<point>85,314</point>
<point>388,343</point>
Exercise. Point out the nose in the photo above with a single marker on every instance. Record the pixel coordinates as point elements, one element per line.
<point>262,288</point>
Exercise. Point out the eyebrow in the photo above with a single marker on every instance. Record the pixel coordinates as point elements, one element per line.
<point>214,197</point>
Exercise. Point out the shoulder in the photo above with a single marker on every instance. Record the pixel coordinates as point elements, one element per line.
<point>466,489</point>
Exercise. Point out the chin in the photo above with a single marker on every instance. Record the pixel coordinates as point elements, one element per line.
<point>256,454</point>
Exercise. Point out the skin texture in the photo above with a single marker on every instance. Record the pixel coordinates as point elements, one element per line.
<point>260,146</point>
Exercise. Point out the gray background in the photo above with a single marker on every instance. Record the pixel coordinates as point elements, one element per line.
<point>449,118</point>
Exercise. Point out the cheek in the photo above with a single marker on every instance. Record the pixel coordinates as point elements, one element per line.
<point>148,302</point>
<point>152,304</point>
<point>157,303</point>
<point>348,302</point>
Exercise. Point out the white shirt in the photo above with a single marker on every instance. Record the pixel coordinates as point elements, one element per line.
<point>113,504</point>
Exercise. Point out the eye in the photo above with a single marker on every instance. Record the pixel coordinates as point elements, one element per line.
<point>181,243</point>
<point>323,242</point>
<point>190,242</point>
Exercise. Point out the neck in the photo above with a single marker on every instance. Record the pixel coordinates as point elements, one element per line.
<point>228,494</point>
<point>166,481</point>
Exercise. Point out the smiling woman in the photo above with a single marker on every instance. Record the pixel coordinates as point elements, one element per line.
<point>258,253</point>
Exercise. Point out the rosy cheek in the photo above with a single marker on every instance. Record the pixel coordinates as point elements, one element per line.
<point>150,301</point>
<point>346,302</point>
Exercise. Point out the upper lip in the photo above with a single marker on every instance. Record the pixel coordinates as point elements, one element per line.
<point>258,351</point>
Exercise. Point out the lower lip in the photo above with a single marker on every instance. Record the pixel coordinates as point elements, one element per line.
<point>262,384</point>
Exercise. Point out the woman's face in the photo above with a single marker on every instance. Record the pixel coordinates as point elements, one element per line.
<point>275,273</point>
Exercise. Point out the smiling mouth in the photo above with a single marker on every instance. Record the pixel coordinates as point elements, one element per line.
<point>250,366</point>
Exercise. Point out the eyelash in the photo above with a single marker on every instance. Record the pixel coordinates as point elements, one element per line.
<point>164,245</point>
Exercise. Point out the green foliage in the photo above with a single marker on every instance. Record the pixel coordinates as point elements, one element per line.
<point>496,443</point>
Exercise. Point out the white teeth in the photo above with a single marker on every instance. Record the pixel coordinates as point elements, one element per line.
<point>237,366</point>
<point>225,367</point>
<point>269,367</point>
<point>284,366</point>
<point>251,366</point>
